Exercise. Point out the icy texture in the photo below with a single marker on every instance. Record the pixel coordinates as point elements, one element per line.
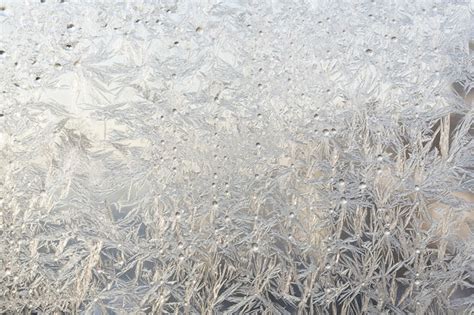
<point>248,157</point>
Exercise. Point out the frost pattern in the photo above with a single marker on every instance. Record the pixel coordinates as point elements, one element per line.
<point>238,157</point>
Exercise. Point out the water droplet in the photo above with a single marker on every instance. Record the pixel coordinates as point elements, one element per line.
<point>180,245</point>
<point>214,203</point>
<point>394,39</point>
<point>316,116</point>
<point>227,219</point>
<point>417,251</point>
<point>328,267</point>
<point>341,183</point>
<point>325,132</point>
<point>362,186</point>
<point>417,282</point>
<point>255,247</point>
<point>379,157</point>
<point>343,201</point>
<point>417,188</point>
<point>387,233</point>
<point>292,215</point>
<point>369,52</point>
<point>258,145</point>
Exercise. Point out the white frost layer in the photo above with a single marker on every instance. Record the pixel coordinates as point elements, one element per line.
<point>287,157</point>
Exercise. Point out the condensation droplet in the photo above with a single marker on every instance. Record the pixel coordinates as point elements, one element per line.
<point>255,247</point>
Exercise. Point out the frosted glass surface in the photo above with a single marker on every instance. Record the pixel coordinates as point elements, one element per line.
<point>236,157</point>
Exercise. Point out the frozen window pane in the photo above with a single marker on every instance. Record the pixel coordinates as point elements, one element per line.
<point>239,157</point>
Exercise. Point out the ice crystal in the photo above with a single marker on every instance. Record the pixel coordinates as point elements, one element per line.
<point>237,157</point>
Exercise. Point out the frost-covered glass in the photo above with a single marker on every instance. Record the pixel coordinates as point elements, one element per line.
<point>236,157</point>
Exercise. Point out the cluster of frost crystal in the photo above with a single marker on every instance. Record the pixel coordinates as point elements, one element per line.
<point>236,157</point>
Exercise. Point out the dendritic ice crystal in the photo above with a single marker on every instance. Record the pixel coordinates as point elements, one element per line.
<point>236,157</point>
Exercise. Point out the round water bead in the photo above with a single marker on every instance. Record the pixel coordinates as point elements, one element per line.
<point>254,247</point>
